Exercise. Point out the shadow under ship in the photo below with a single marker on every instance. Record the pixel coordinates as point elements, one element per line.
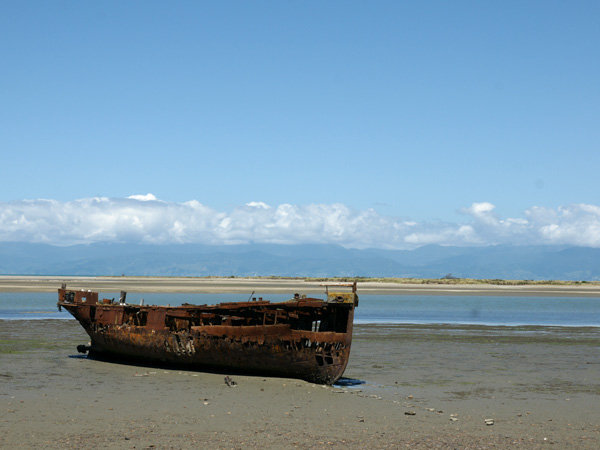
<point>307,338</point>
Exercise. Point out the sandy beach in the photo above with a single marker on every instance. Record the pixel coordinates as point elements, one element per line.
<point>422,386</point>
<point>278,286</point>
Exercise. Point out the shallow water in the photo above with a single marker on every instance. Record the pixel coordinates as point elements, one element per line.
<point>373,309</point>
<point>479,310</point>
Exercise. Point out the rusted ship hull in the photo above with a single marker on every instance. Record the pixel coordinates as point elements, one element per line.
<point>303,338</point>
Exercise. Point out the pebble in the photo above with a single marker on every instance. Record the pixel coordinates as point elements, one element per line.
<point>489,422</point>
<point>410,413</point>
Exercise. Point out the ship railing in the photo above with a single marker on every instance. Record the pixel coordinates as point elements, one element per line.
<point>341,297</point>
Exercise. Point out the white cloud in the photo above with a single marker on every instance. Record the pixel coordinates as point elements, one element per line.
<point>480,209</point>
<point>258,205</point>
<point>577,224</point>
<point>144,218</point>
<point>145,198</point>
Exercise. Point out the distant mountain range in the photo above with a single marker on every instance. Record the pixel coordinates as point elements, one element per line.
<point>504,262</point>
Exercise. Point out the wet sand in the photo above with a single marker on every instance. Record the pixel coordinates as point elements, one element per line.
<point>425,386</point>
<point>278,286</point>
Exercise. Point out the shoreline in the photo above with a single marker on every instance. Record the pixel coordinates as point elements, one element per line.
<point>281,286</point>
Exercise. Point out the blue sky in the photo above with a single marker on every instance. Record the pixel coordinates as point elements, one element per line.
<point>417,111</point>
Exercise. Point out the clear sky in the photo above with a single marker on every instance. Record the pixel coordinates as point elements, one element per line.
<point>419,111</point>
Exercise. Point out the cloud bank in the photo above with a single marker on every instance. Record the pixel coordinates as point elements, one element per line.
<point>146,219</point>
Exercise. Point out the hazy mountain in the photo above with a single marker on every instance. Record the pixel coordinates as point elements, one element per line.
<point>509,262</point>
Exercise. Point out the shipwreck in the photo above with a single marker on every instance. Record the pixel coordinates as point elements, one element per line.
<point>307,338</point>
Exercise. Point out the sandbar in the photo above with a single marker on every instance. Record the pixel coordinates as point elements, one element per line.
<point>280,286</point>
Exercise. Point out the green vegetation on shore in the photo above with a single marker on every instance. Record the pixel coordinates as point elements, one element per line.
<point>441,281</point>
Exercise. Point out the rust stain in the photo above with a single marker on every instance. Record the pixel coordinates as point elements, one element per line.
<point>305,338</point>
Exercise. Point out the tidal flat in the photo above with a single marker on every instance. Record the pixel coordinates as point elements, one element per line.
<point>421,386</point>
